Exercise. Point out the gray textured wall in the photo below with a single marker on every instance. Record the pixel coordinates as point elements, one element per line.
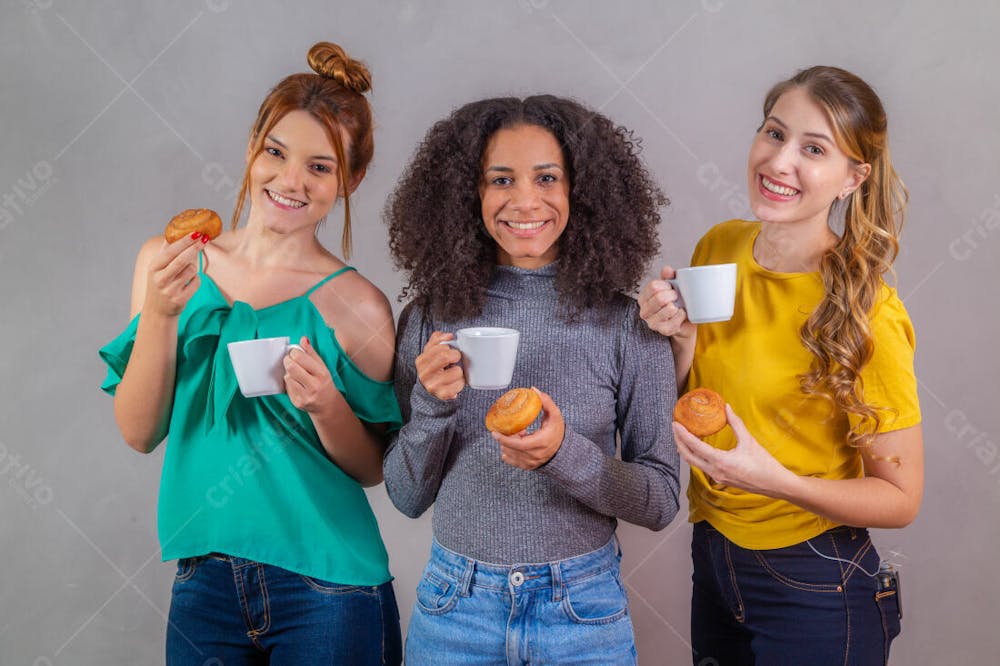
<point>116,115</point>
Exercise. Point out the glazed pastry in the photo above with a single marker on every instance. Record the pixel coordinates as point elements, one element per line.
<point>191,220</point>
<point>514,411</point>
<point>702,411</point>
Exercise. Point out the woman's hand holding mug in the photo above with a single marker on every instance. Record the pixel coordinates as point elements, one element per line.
<point>439,368</point>
<point>659,307</point>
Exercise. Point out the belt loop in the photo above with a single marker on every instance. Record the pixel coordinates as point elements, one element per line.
<point>557,582</point>
<point>465,582</point>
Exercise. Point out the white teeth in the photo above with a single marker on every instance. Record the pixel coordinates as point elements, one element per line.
<point>777,189</point>
<point>525,225</point>
<point>292,203</point>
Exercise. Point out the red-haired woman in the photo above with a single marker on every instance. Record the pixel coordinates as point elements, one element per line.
<point>261,499</point>
<point>818,362</point>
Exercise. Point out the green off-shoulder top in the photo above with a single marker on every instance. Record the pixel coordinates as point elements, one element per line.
<point>248,476</point>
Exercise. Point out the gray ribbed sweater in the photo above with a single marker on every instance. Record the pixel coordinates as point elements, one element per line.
<point>607,376</point>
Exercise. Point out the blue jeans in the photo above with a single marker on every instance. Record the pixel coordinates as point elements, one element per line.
<point>227,611</point>
<point>572,611</point>
<point>791,605</point>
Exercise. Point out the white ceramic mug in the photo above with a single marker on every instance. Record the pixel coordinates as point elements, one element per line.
<point>258,365</point>
<point>488,355</point>
<point>708,293</point>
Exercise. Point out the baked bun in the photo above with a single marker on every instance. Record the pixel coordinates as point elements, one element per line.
<point>191,220</point>
<point>702,411</point>
<point>514,411</point>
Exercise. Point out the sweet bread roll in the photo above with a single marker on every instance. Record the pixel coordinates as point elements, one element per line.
<point>514,411</point>
<point>191,220</point>
<point>702,411</point>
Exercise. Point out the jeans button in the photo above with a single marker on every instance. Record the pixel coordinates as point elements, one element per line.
<point>516,578</point>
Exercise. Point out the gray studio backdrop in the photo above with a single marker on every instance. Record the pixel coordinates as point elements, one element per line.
<point>115,115</point>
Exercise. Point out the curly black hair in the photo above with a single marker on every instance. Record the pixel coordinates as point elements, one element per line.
<point>436,234</point>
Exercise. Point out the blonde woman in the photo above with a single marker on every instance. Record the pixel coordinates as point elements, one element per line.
<point>817,367</point>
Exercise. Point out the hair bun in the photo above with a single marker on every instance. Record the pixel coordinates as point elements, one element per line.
<point>330,61</point>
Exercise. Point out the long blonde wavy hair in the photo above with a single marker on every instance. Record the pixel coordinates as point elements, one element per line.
<point>838,333</point>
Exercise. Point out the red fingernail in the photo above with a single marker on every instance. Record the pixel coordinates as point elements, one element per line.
<point>205,238</point>
<point>195,235</point>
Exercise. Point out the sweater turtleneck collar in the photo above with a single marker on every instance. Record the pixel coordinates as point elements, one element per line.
<point>511,281</point>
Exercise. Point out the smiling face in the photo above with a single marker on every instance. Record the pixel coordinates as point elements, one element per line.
<point>525,195</point>
<point>295,181</point>
<point>796,170</point>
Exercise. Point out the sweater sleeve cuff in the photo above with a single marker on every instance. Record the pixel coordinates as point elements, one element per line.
<point>424,404</point>
<point>576,460</point>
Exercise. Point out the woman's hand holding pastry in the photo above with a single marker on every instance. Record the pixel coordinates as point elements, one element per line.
<point>748,465</point>
<point>308,381</point>
<point>531,451</point>
<point>172,277</point>
<point>439,367</point>
<point>658,307</point>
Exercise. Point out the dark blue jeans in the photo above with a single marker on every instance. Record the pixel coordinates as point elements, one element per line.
<point>227,611</point>
<point>790,605</point>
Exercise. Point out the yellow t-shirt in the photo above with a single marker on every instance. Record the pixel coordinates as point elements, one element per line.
<point>754,360</point>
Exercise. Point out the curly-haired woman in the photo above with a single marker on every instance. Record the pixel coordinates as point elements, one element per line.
<point>818,361</point>
<point>261,498</point>
<point>537,215</point>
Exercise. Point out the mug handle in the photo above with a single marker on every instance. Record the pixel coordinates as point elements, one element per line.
<point>290,346</point>
<point>680,299</point>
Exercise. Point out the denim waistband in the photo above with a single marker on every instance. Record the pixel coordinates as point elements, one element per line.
<point>841,534</point>
<point>236,562</point>
<point>523,577</point>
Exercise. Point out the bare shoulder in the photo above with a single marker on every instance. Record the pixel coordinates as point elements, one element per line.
<point>361,318</point>
<point>351,296</point>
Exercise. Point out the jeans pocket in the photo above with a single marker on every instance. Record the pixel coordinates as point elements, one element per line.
<point>817,565</point>
<point>599,599</point>
<point>888,607</point>
<point>436,595</point>
<point>806,580</point>
<point>186,568</point>
<point>327,587</point>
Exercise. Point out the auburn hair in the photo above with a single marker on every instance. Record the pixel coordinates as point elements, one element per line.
<point>334,96</point>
